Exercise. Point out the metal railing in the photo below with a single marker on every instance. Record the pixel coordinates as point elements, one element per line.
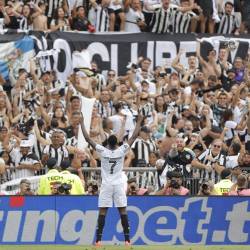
<point>12,187</point>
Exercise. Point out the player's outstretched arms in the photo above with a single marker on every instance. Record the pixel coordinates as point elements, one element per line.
<point>86,135</point>
<point>136,131</point>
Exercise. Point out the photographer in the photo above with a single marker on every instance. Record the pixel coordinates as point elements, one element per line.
<point>25,188</point>
<point>92,188</point>
<point>173,185</point>
<point>224,185</point>
<point>48,183</point>
<point>133,188</point>
<point>62,189</point>
<point>206,188</point>
<point>72,184</point>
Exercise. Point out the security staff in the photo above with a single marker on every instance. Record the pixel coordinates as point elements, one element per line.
<point>48,183</point>
<point>223,187</point>
<point>72,179</point>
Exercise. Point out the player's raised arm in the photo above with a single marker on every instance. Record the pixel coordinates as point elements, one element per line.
<point>136,131</point>
<point>86,135</point>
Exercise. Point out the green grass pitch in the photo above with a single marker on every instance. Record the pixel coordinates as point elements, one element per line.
<point>124,248</point>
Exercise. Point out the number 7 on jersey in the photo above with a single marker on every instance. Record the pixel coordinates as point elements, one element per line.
<point>112,166</point>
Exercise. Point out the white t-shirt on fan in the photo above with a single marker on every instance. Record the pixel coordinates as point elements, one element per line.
<point>132,18</point>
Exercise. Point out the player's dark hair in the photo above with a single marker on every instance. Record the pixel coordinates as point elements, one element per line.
<point>65,164</point>
<point>112,141</point>
<point>225,173</point>
<point>51,163</point>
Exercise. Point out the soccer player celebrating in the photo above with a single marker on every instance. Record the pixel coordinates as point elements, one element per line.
<point>113,186</point>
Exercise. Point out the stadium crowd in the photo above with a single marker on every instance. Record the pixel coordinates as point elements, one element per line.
<point>158,16</point>
<point>196,132</point>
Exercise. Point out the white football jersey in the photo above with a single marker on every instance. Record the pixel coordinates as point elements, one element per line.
<point>112,164</point>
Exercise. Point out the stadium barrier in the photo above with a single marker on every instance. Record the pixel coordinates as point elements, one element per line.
<point>153,220</point>
<point>12,187</point>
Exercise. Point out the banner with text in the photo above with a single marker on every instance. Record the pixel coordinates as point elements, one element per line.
<point>60,51</point>
<point>116,51</point>
<point>153,220</point>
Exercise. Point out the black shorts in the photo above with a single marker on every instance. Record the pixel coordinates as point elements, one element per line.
<point>118,11</point>
<point>207,7</point>
<point>110,11</point>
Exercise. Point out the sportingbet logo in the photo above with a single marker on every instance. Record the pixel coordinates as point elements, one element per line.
<point>197,221</point>
<point>47,226</point>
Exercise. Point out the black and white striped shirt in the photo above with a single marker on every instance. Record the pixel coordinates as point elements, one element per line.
<point>191,76</point>
<point>99,17</point>
<point>142,149</point>
<point>105,110</point>
<point>181,21</point>
<point>101,82</point>
<point>38,148</point>
<point>72,141</point>
<point>161,21</point>
<point>53,5</point>
<point>23,23</point>
<point>59,153</point>
<point>228,24</point>
<point>145,179</point>
<point>213,175</point>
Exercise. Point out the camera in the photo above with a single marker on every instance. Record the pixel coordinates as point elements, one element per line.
<point>204,186</point>
<point>201,92</point>
<point>174,184</point>
<point>26,127</point>
<point>64,188</point>
<point>134,66</point>
<point>162,74</point>
<point>92,187</point>
<point>95,188</point>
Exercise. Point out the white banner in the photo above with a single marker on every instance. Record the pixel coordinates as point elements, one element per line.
<point>87,105</point>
